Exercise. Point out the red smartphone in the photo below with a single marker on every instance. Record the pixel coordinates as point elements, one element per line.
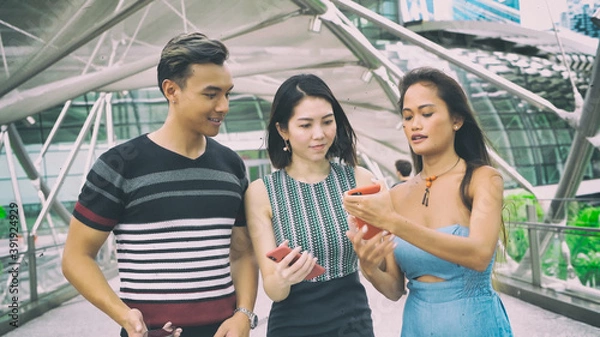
<point>280,252</point>
<point>369,189</point>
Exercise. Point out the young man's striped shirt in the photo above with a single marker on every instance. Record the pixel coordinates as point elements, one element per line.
<point>172,218</point>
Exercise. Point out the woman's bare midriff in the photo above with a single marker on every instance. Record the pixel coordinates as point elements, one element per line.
<point>429,279</point>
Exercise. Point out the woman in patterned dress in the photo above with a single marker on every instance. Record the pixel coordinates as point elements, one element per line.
<point>312,146</point>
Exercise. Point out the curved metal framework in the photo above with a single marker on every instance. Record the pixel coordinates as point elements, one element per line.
<point>111,46</point>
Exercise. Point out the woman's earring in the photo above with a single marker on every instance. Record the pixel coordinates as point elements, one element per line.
<point>456,128</point>
<point>286,148</point>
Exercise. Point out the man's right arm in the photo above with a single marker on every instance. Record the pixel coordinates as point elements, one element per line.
<point>82,271</point>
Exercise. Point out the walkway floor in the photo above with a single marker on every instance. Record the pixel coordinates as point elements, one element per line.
<point>79,318</point>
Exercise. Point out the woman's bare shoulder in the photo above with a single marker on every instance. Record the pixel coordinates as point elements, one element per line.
<point>486,172</point>
<point>363,176</point>
<point>256,189</point>
<point>487,178</point>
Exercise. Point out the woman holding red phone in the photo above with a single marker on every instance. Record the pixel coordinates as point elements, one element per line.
<point>447,218</point>
<point>311,143</point>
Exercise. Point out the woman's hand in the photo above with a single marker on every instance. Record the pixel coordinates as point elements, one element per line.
<point>377,261</point>
<point>372,252</point>
<point>292,272</point>
<point>371,208</point>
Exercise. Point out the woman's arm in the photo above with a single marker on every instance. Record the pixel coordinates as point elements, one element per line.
<point>364,177</point>
<point>474,251</point>
<point>277,277</point>
<point>377,262</point>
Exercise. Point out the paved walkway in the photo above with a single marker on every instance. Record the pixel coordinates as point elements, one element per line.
<point>79,318</point>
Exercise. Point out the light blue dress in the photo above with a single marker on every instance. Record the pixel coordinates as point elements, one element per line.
<point>464,305</point>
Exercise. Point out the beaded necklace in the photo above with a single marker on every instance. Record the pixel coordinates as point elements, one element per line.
<point>429,181</point>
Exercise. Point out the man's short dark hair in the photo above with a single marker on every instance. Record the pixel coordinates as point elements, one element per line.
<point>404,167</point>
<point>184,50</point>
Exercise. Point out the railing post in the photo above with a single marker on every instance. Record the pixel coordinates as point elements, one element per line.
<point>534,248</point>
<point>32,262</point>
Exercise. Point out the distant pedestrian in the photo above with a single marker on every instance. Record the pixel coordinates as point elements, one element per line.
<point>403,170</point>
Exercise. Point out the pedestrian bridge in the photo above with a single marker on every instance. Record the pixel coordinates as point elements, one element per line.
<point>78,77</point>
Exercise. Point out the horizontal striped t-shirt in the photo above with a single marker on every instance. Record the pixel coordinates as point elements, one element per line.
<point>172,217</point>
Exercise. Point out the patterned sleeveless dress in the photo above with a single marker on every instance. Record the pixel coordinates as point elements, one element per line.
<point>312,216</point>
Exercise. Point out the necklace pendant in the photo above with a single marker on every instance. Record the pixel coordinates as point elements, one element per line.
<point>429,181</point>
<point>425,200</point>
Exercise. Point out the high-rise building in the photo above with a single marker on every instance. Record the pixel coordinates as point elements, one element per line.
<point>579,16</point>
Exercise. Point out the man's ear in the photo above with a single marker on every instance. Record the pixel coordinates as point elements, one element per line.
<point>171,90</point>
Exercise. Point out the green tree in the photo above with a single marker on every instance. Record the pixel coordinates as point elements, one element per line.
<point>585,246</point>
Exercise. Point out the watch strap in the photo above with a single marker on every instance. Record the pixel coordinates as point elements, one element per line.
<point>251,316</point>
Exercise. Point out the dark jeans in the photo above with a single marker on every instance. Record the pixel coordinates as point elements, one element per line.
<point>192,331</point>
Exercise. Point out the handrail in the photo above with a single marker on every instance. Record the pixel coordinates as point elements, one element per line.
<point>44,248</point>
<point>529,281</point>
<point>559,228</point>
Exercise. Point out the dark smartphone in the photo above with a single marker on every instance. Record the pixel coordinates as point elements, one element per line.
<point>369,189</point>
<point>158,333</point>
<point>279,253</point>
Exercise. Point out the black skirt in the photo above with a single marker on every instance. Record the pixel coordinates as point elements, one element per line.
<point>338,307</point>
<point>192,331</point>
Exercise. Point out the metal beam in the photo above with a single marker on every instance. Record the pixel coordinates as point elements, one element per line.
<point>32,173</point>
<point>390,88</point>
<point>37,99</point>
<point>581,148</point>
<point>3,130</point>
<point>15,183</point>
<point>51,198</point>
<point>237,31</point>
<point>511,172</point>
<point>358,44</point>
<point>47,56</point>
<point>575,42</point>
<point>414,38</point>
<point>3,53</point>
<point>55,127</point>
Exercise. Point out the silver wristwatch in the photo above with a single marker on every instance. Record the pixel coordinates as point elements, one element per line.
<point>251,316</point>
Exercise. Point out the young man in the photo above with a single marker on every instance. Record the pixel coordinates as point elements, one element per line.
<point>173,199</point>
<point>403,169</point>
